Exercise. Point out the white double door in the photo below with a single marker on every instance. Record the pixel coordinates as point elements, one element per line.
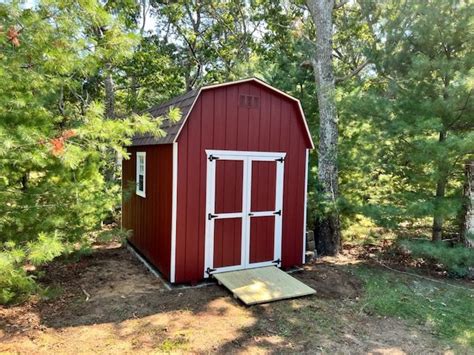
<point>244,200</point>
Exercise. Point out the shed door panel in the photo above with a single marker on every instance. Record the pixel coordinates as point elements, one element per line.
<point>229,178</point>
<point>263,186</point>
<point>227,242</point>
<point>262,239</point>
<point>228,206</point>
<point>262,209</point>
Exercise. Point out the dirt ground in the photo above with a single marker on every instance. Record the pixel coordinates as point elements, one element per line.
<point>109,303</point>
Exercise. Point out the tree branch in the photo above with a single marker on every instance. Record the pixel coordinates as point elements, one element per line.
<point>461,111</point>
<point>353,73</point>
<point>338,5</point>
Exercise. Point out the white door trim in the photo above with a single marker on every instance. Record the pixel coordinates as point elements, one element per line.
<point>247,158</point>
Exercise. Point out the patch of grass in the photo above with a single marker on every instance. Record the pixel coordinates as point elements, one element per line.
<point>174,344</point>
<point>457,260</point>
<point>446,310</point>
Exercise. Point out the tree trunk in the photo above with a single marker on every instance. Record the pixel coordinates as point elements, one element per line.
<point>328,234</point>
<point>109,93</point>
<point>110,171</point>
<point>438,214</point>
<point>467,224</point>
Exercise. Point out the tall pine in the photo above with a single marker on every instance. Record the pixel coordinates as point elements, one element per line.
<point>54,137</point>
<point>418,101</point>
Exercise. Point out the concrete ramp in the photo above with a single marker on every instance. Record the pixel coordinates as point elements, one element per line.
<point>262,285</point>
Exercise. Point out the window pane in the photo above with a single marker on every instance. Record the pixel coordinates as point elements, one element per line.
<point>140,182</point>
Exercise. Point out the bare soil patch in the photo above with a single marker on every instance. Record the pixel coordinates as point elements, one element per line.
<point>399,258</point>
<point>111,303</point>
<point>330,281</point>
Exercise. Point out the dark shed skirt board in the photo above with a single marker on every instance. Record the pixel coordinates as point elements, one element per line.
<point>225,189</point>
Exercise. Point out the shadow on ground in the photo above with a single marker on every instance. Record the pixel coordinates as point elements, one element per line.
<point>110,302</point>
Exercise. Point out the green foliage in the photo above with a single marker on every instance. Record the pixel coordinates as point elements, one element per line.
<point>14,281</point>
<point>113,234</point>
<point>412,115</point>
<point>177,343</point>
<point>418,83</point>
<point>210,41</point>
<point>150,75</point>
<point>446,309</point>
<point>56,142</point>
<point>457,260</point>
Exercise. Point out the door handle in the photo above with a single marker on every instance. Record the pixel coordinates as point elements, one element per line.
<point>250,214</point>
<point>211,216</point>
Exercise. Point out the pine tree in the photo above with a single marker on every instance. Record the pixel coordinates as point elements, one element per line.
<point>418,100</point>
<point>54,137</point>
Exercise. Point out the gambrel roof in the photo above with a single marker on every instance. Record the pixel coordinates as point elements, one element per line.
<point>186,103</point>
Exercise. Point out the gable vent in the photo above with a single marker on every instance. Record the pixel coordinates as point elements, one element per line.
<point>249,101</point>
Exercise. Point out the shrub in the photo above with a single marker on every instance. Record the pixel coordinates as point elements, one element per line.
<point>456,259</point>
<point>58,149</point>
<point>14,281</point>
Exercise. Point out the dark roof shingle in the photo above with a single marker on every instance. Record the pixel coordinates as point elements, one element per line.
<point>184,103</point>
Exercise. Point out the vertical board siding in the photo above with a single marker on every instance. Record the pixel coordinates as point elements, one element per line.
<point>149,218</point>
<point>181,207</point>
<point>218,121</point>
<point>193,194</point>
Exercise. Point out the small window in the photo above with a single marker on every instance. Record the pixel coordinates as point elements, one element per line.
<point>141,174</point>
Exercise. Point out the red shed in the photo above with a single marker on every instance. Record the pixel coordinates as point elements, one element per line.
<point>225,189</point>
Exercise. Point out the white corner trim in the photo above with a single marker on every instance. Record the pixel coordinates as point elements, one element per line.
<point>174,201</point>
<point>137,191</point>
<point>261,82</point>
<point>305,204</point>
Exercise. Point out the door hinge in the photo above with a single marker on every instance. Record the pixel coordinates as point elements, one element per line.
<point>211,216</point>
<point>277,212</point>
<point>250,214</point>
<point>281,160</point>
<point>209,270</point>
<point>277,261</point>
<point>213,157</point>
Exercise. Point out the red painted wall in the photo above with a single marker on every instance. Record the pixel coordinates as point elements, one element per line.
<point>150,218</point>
<point>219,122</point>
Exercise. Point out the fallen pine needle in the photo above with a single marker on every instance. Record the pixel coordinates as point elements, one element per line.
<point>86,293</point>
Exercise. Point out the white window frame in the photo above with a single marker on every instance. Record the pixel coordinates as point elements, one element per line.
<point>137,190</point>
